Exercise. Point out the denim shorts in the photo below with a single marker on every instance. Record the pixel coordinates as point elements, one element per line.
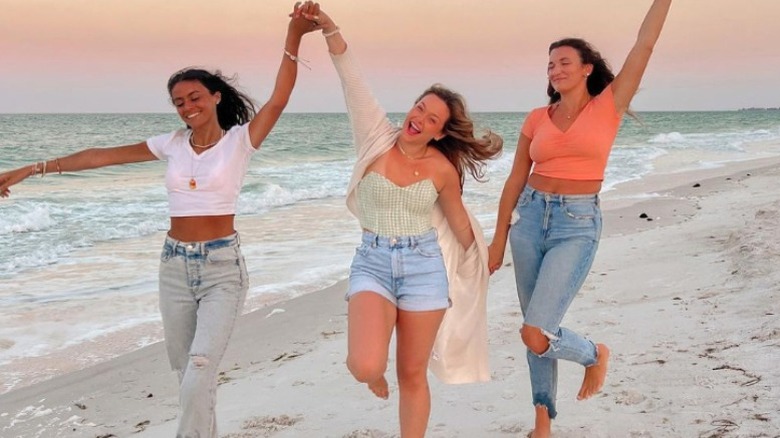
<point>406,270</point>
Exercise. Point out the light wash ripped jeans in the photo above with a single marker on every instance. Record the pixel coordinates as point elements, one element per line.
<point>553,246</point>
<point>202,290</point>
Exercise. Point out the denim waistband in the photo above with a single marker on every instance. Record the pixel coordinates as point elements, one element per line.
<point>374,239</point>
<point>556,197</point>
<point>178,247</point>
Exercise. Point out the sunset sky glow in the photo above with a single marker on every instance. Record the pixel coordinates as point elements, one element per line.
<point>115,56</point>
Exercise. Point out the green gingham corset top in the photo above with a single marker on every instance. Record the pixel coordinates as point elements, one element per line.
<point>390,210</point>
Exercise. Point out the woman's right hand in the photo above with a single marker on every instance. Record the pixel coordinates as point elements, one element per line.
<point>495,257</point>
<point>300,25</point>
<point>312,12</point>
<point>12,177</point>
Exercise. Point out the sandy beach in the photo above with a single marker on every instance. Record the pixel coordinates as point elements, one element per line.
<point>687,296</point>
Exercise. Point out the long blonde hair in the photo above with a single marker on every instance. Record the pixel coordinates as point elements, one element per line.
<point>459,145</point>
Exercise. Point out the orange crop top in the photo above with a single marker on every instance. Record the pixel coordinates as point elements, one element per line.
<point>582,151</point>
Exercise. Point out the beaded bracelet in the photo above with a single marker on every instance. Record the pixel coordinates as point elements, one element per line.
<point>331,33</point>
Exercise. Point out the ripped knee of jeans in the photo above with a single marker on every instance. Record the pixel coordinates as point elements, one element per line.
<point>544,401</point>
<point>199,362</point>
<point>549,335</point>
<point>539,345</point>
<point>552,343</point>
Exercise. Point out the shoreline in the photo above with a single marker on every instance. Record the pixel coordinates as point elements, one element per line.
<point>145,374</point>
<point>302,349</point>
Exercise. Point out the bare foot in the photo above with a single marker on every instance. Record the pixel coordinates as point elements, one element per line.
<point>595,375</point>
<point>379,388</point>
<point>543,424</point>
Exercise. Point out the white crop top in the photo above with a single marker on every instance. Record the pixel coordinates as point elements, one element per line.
<point>207,184</point>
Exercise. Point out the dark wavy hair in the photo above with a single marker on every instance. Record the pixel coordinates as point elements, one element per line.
<point>600,77</point>
<point>459,145</point>
<point>234,108</point>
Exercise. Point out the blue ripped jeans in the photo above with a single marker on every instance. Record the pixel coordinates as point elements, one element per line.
<point>553,245</point>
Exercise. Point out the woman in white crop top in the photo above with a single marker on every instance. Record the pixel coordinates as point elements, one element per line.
<point>203,279</point>
<point>400,282</point>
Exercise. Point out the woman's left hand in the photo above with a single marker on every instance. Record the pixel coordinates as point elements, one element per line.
<point>495,257</point>
<point>299,24</point>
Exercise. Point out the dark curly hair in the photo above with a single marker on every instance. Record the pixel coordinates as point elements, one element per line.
<point>235,107</point>
<point>600,77</point>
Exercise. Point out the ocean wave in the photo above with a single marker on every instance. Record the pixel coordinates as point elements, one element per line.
<point>278,186</point>
<point>25,218</point>
<point>274,195</point>
<point>666,138</point>
<point>712,141</point>
<point>628,164</point>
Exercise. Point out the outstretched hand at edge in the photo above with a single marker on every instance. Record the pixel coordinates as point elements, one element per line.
<point>12,177</point>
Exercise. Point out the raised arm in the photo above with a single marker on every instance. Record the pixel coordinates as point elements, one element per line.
<point>513,186</point>
<point>368,119</point>
<point>83,160</point>
<point>336,43</point>
<point>266,118</point>
<point>627,80</point>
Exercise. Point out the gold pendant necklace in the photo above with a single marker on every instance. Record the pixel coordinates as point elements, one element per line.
<point>576,113</point>
<point>193,183</point>
<point>403,152</point>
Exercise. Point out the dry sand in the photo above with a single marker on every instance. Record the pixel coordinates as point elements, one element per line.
<point>688,302</point>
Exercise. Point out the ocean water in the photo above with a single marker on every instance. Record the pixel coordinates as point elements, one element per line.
<point>78,267</point>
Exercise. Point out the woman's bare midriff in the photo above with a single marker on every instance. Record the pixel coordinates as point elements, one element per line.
<point>564,186</point>
<point>201,228</point>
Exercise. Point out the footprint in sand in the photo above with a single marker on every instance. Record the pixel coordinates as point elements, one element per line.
<point>511,429</point>
<point>764,335</point>
<point>439,427</point>
<point>629,398</point>
<point>479,407</point>
<point>5,344</point>
<point>367,433</point>
<point>502,373</point>
<point>265,426</point>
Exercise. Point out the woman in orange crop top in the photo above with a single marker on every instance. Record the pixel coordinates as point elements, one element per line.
<point>564,147</point>
<point>203,279</point>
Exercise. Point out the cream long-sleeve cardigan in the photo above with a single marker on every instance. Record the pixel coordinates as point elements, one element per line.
<point>460,354</point>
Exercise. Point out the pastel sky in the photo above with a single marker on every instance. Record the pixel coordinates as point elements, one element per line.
<point>116,55</point>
